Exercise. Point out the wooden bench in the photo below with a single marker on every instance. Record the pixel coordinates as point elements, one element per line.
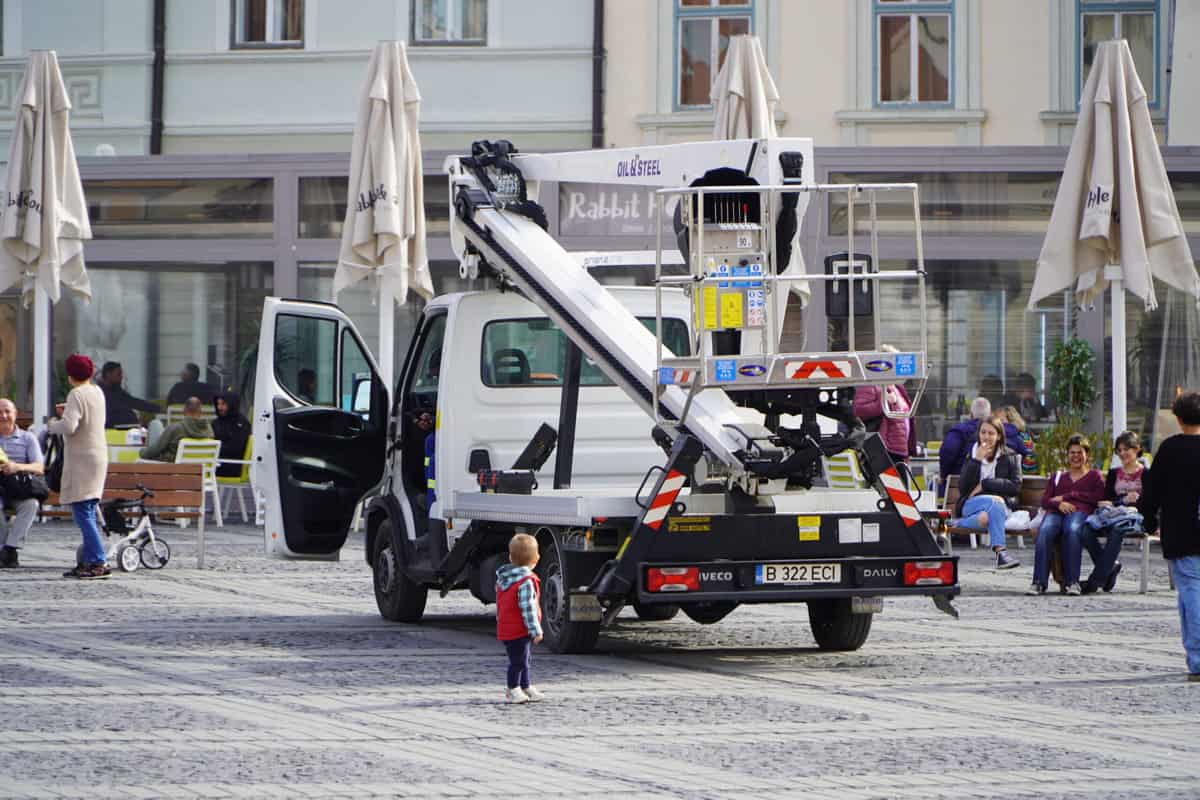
<point>1033,487</point>
<point>178,493</point>
<point>1030,498</point>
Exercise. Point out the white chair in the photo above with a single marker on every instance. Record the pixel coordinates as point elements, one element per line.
<point>205,452</point>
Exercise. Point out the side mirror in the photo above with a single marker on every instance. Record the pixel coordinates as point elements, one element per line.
<point>362,395</point>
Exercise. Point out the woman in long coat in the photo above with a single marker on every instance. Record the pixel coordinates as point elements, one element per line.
<point>85,463</point>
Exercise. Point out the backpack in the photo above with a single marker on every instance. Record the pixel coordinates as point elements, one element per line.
<point>55,458</point>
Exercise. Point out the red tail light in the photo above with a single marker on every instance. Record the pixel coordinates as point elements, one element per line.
<point>929,573</point>
<point>673,579</point>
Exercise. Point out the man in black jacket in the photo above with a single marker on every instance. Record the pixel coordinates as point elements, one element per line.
<point>1170,504</point>
<point>233,429</point>
<point>120,407</point>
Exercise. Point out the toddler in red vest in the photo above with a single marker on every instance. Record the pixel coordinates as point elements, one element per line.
<point>519,614</point>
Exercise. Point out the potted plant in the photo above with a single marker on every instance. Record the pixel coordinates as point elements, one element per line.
<point>1072,376</point>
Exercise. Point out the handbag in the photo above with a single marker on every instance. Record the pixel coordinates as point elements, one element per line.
<point>54,462</point>
<point>23,486</point>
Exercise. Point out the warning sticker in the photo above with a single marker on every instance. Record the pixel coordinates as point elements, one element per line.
<point>731,310</point>
<point>809,528</point>
<point>689,524</point>
<point>756,311</point>
<point>710,307</point>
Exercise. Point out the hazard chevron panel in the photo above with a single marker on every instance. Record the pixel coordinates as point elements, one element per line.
<point>794,369</point>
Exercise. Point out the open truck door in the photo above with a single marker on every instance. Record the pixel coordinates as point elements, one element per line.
<point>320,426</point>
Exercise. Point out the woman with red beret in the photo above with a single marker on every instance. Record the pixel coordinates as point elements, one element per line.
<point>85,463</point>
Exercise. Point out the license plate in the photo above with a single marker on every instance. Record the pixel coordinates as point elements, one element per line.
<point>797,573</point>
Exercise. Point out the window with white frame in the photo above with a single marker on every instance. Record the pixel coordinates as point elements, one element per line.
<point>449,22</point>
<point>702,32</point>
<point>268,23</point>
<point>914,51</point>
<point>1135,21</point>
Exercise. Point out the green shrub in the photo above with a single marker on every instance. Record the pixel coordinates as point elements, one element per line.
<point>1050,446</point>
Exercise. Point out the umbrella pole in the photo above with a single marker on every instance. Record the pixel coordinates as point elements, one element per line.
<point>41,354</point>
<point>1119,384</point>
<point>387,329</point>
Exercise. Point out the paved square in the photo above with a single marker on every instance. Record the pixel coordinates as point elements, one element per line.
<point>258,678</point>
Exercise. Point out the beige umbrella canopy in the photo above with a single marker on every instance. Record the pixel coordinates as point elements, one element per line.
<point>744,99</point>
<point>44,221</point>
<point>1114,218</point>
<point>384,231</point>
<point>744,95</point>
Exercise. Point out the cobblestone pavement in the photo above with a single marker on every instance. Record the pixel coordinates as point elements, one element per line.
<point>257,678</point>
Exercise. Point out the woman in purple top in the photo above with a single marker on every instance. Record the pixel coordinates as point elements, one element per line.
<point>1071,495</point>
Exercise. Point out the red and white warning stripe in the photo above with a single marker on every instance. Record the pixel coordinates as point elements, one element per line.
<point>900,497</point>
<point>670,489</point>
<point>807,370</point>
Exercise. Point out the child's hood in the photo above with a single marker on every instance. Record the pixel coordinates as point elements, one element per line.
<point>508,574</point>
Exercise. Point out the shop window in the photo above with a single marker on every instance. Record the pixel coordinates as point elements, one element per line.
<point>914,51</point>
<point>268,23</point>
<point>181,208</point>
<point>155,318</point>
<point>449,22</point>
<point>1135,21</point>
<point>702,32</point>
<point>533,352</point>
<point>323,206</point>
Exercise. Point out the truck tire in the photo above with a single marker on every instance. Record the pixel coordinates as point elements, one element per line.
<point>835,627</point>
<point>561,634</point>
<point>399,599</point>
<point>655,612</point>
<point>708,613</point>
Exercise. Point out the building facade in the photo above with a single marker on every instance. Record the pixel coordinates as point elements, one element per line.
<point>221,176</point>
<point>974,100</point>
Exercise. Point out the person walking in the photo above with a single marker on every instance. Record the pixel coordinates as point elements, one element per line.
<point>19,453</point>
<point>85,463</point>
<point>1170,505</point>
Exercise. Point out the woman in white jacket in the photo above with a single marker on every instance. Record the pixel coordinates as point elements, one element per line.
<point>85,463</point>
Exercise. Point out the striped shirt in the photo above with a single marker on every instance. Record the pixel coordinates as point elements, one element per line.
<point>21,447</point>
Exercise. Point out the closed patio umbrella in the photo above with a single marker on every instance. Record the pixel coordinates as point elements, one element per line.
<point>744,100</point>
<point>1115,219</point>
<point>384,231</point>
<point>44,221</point>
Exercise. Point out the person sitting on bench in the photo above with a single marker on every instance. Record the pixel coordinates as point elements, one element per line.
<point>190,427</point>
<point>990,480</point>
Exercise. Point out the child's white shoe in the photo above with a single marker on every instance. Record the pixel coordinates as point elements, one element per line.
<point>516,695</point>
<point>534,694</point>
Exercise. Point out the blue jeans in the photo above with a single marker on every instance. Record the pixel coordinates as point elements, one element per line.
<point>518,662</point>
<point>85,517</point>
<point>1104,556</point>
<point>996,511</point>
<point>1070,529</point>
<point>1186,574</point>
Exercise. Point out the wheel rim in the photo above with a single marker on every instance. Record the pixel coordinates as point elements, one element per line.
<point>128,558</point>
<point>385,571</point>
<point>554,598</point>
<point>154,555</point>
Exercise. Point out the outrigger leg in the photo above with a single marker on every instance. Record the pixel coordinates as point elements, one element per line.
<point>618,577</point>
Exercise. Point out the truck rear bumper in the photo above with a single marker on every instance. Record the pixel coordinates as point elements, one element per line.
<point>797,580</point>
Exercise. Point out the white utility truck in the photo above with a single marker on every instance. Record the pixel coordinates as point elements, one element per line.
<point>688,450</point>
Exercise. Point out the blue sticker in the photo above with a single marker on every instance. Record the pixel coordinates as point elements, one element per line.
<point>752,370</point>
<point>666,376</point>
<point>726,369</point>
<point>879,365</point>
<point>906,364</point>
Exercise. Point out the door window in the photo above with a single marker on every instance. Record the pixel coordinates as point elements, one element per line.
<point>306,358</point>
<point>429,359</point>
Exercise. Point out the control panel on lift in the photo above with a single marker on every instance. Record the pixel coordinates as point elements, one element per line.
<point>732,252</point>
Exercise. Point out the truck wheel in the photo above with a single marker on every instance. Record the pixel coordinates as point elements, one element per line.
<point>655,613</point>
<point>708,613</point>
<point>398,598</point>
<point>562,635</point>
<point>834,627</point>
